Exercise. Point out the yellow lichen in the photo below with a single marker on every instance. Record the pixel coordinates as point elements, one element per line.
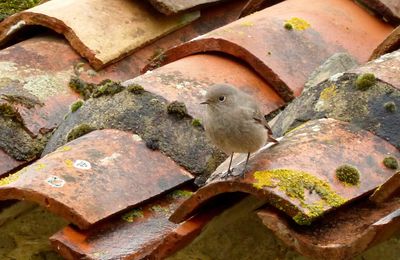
<point>297,24</point>
<point>177,194</point>
<point>328,93</point>
<point>40,166</point>
<point>294,183</point>
<point>247,23</point>
<point>69,163</point>
<point>64,148</point>
<point>11,178</point>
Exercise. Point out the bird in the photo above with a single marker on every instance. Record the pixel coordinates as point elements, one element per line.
<point>234,122</point>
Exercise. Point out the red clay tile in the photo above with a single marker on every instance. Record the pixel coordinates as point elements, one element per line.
<point>387,190</point>
<point>169,7</point>
<point>86,25</point>
<point>305,161</point>
<point>96,176</point>
<point>340,235</point>
<point>389,9</point>
<point>385,68</point>
<point>141,233</point>
<point>187,80</point>
<point>391,43</point>
<point>285,58</point>
<point>7,163</point>
<point>253,6</point>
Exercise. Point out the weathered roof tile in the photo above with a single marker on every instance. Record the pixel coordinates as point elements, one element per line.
<point>143,232</point>
<point>86,24</point>
<point>79,181</point>
<point>388,9</point>
<point>286,57</point>
<point>290,177</point>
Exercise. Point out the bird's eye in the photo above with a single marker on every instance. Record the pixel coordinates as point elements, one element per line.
<point>221,98</point>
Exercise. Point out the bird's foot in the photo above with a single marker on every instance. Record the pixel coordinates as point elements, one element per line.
<point>227,174</point>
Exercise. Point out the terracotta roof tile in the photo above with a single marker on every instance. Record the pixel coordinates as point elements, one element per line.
<point>169,7</point>
<point>391,43</point>
<point>8,163</point>
<point>388,9</point>
<point>285,58</point>
<point>87,26</point>
<point>306,189</point>
<point>144,232</point>
<point>340,235</point>
<point>187,80</point>
<point>73,181</point>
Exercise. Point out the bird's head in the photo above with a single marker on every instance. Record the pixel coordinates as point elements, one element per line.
<point>219,96</point>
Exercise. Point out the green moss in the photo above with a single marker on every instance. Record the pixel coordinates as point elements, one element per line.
<point>365,81</point>
<point>135,89</point>
<point>7,110</point>
<point>79,131</point>
<point>28,102</point>
<point>10,7</point>
<point>390,106</point>
<point>296,23</point>
<point>178,109</point>
<point>196,122</point>
<point>178,194</point>
<point>391,163</point>
<point>133,214</point>
<point>348,174</point>
<point>294,183</point>
<point>161,209</point>
<point>76,105</point>
<point>157,58</point>
<point>107,87</point>
<point>288,26</point>
<point>81,87</point>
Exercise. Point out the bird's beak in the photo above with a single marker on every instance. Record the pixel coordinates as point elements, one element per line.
<point>204,103</point>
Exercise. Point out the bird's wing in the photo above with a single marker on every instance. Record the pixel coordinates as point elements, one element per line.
<point>259,118</point>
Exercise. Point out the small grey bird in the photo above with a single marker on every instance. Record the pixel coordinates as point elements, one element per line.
<point>234,122</point>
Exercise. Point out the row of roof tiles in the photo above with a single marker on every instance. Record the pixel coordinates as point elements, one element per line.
<point>86,164</point>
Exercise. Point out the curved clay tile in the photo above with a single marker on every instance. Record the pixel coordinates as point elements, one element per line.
<point>101,31</point>
<point>94,177</point>
<point>341,235</point>
<point>286,42</point>
<point>301,175</point>
<point>141,233</point>
<point>170,7</point>
<point>391,43</point>
<point>7,163</point>
<point>388,9</point>
<point>188,79</point>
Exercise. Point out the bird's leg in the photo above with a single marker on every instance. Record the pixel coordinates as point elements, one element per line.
<point>245,165</point>
<point>229,172</point>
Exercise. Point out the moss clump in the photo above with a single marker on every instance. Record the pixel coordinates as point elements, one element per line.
<point>365,81</point>
<point>79,131</point>
<point>76,105</point>
<point>391,163</point>
<point>296,24</point>
<point>81,87</point>
<point>107,87</point>
<point>153,144</point>
<point>294,183</point>
<point>7,110</point>
<point>161,209</point>
<point>196,122</point>
<point>132,215</point>
<point>157,58</point>
<point>390,106</point>
<point>179,194</point>
<point>348,174</point>
<point>135,89</point>
<point>178,109</point>
<point>288,26</point>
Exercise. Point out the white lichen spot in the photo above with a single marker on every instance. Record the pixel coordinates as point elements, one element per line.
<point>15,27</point>
<point>335,77</point>
<point>316,128</point>
<point>179,86</point>
<point>82,165</point>
<point>109,159</point>
<point>55,181</point>
<point>137,138</point>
